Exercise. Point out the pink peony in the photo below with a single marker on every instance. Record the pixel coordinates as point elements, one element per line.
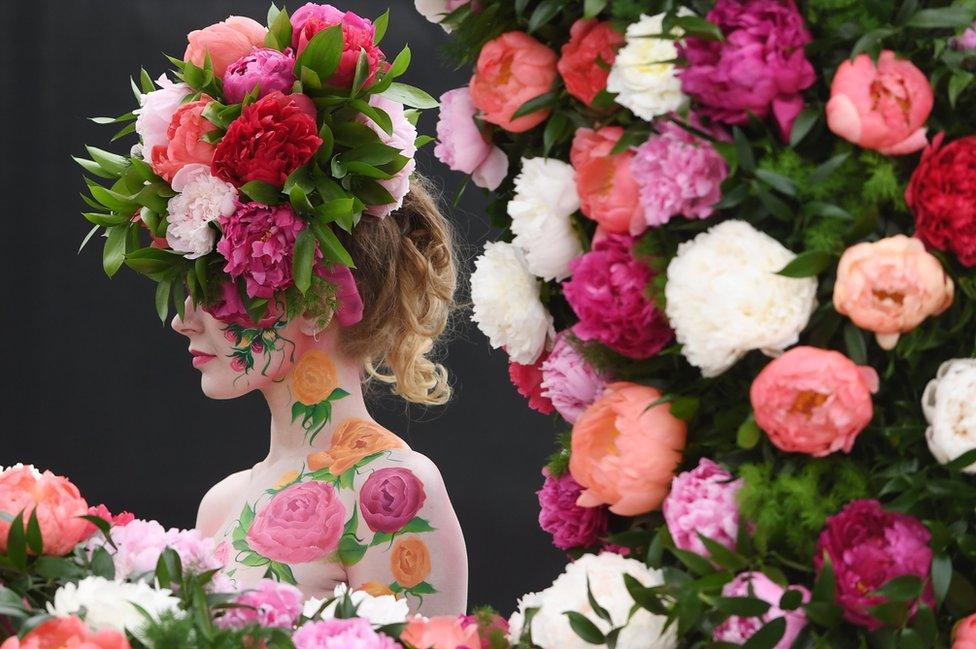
<point>760,66</point>
<point>56,501</point>
<point>813,401</point>
<point>258,244</point>
<point>139,544</point>
<point>403,138</point>
<point>491,629</point>
<point>101,511</point>
<point>586,59</point>
<point>156,112</point>
<point>349,303</point>
<point>267,69</point>
<point>568,381</point>
<point>184,140</point>
<point>354,633</point>
<point>703,500</point>
<point>300,524</point>
<point>967,41</point>
<point>358,34</point>
<point>737,630</point>
<point>528,380</point>
<point>868,547</point>
<point>225,42</point>
<point>608,192</point>
<point>608,292</point>
<point>390,498</point>
<point>678,174</point>
<point>964,633</point>
<point>269,604</point>
<point>462,147</point>
<point>571,526</point>
<point>201,200</point>
<point>441,632</point>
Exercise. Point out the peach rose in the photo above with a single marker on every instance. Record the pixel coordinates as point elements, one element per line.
<point>67,632</point>
<point>511,70</point>
<point>314,377</point>
<point>608,192</point>
<point>881,107</point>
<point>441,632</point>
<point>186,145</point>
<point>813,401</point>
<point>624,454</point>
<point>56,500</point>
<point>226,42</point>
<point>890,286</point>
<point>963,635</point>
<point>353,440</point>
<point>409,561</point>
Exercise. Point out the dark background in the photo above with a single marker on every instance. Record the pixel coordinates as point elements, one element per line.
<point>98,390</point>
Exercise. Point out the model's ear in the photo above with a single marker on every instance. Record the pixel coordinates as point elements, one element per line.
<point>311,326</point>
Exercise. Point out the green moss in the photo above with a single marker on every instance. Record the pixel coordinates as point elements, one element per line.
<point>558,464</point>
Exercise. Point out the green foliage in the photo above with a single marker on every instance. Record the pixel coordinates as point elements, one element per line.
<point>182,631</point>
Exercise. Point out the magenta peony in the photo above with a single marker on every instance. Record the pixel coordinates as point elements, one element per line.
<point>300,524</point>
<point>390,498</point>
<point>341,634</point>
<point>703,500</point>
<point>229,309</point>
<point>678,174</point>
<point>760,66</point>
<point>527,379</point>
<point>270,604</point>
<point>267,69</point>
<point>868,547</point>
<point>568,381</point>
<point>737,630</point>
<point>571,526</point>
<point>608,292</point>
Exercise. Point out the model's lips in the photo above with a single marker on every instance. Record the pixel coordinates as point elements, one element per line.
<point>201,358</point>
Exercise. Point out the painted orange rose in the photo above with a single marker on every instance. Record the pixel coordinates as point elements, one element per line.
<point>314,377</point>
<point>287,478</point>
<point>410,561</point>
<point>375,589</point>
<point>353,440</point>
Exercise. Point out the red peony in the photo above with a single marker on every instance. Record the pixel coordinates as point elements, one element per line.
<point>942,194</point>
<point>528,380</point>
<point>272,138</point>
<point>587,57</point>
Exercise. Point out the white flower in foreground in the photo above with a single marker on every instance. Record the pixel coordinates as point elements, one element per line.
<point>202,199</point>
<point>21,465</point>
<point>156,112</point>
<point>435,10</point>
<point>550,627</point>
<point>380,611</point>
<point>506,301</point>
<point>106,604</point>
<point>949,403</point>
<point>643,80</point>
<point>725,298</point>
<point>545,198</point>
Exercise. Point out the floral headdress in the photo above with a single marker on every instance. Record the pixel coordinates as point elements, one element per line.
<point>268,139</point>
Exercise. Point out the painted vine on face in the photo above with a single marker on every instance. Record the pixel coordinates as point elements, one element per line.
<point>248,342</point>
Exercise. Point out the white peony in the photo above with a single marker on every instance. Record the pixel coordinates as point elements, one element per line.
<point>156,112</point>
<point>545,198</point>
<point>506,302</point>
<point>550,627</point>
<point>725,299</point>
<point>435,10</point>
<point>949,403</point>
<point>643,74</point>
<point>380,611</point>
<point>106,604</point>
<point>202,198</point>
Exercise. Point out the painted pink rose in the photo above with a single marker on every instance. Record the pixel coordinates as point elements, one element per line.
<point>390,498</point>
<point>300,524</point>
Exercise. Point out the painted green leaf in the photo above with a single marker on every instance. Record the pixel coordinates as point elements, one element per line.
<point>417,526</point>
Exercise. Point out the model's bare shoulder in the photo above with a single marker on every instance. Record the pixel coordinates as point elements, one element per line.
<point>217,504</point>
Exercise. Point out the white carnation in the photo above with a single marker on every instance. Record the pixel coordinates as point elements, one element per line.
<point>643,74</point>
<point>380,611</point>
<point>725,298</point>
<point>545,198</point>
<point>202,199</point>
<point>156,112</point>
<point>949,403</point>
<point>107,604</point>
<point>605,572</point>
<point>506,301</point>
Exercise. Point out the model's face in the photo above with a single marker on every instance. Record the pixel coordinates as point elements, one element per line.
<point>235,359</point>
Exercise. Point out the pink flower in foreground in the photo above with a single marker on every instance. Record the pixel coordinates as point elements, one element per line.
<point>341,634</point>
<point>56,501</point>
<point>358,34</point>
<point>491,629</point>
<point>568,381</point>
<point>528,380</point>
<point>964,633</point>
<point>737,630</point>
<point>139,544</point>
<point>967,41</point>
<point>703,501</point>
<point>571,526</point>
<point>225,42</point>
<point>269,604</point>
<point>462,147</point>
<point>300,524</point>
<point>117,520</point>
<point>441,632</point>
<point>67,633</point>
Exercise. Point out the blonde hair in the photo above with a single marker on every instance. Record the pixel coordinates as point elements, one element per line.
<point>407,275</point>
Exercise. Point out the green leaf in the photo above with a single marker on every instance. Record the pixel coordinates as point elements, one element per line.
<point>380,26</point>
<point>113,255</point>
<point>110,162</point>
<point>279,31</point>
<point>780,183</point>
<point>698,27</point>
<point>304,259</point>
<point>941,576</point>
<point>592,8</point>
<point>748,434</point>
<point>255,561</point>
<point>17,542</point>
<point>871,41</point>
<point>791,600</point>
<point>902,589</point>
<point>584,628</point>
<point>379,117</point>
<point>543,13</point>
<point>332,248</point>
<point>685,408</point>
<point>262,192</point>
<point>958,82</point>
<point>825,587</point>
<point>93,168</point>
<point>417,526</point>
<point>162,299</point>
<point>944,17</point>
<point>776,206</point>
<point>350,550</point>
<point>742,606</point>
<point>743,150</point>
<point>768,636</point>
<point>361,73</point>
<point>400,63</point>
<point>826,169</point>
<point>803,123</point>
<point>88,237</point>
<point>557,130</point>
<point>152,260</point>
<point>857,349</point>
<point>542,102</point>
<point>601,612</point>
<point>962,462</point>
<point>322,54</point>
<point>106,220</point>
<point>102,564</point>
<point>410,96</point>
<point>807,264</point>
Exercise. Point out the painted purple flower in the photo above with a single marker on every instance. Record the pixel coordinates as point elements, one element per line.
<point>571,526</point>
<point>703,500</point>
<point>390,498</point>
<point>268,69</point>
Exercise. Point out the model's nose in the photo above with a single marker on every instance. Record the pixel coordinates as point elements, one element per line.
<point>190,322</point>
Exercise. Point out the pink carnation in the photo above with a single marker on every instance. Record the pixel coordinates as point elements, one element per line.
<point>737,630</point>
<point>571,526</point>
<point>608,292</point>
<point>568,381</point>
<point>270,604</point>
<point>462,147</point>
<point>528,380</point>
<point>759,67</point>
<point>678,174</point>
<point>258,244</point>
<point>703,500</point>
<point>354,633</point>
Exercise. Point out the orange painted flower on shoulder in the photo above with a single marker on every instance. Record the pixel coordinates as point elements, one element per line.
<point>314,377</point>
<point>354,440</point>
<point>410,561</point>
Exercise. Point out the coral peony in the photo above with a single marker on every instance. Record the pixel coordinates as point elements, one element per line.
<point>155,112</point>
<point>440,632</point>
<point>462,146</point>
<point>492,629</point>
<point>587,57</point>
<point>54,499</point>
<point>568,381</point>
<point>272,138</point>
<point>868,547</point>
<point>300,524</point>
<point>882,107</point>
<point>890,286</point>
<point>390,498</point>
<point>403,139</point>
<point>528,381</point>
<point>69,632</point>
<point>963,634</point>
<point>813,401</point>
<point>358,35</point>
<point>511,70</point>
<point>759,67</point>
<point>202,199</point>
<point>608,192</point>
<point>410,561</point>
<point>737,630</point>
<point>703,501</point>
<point>266,69</point>
<point>225,42</point>
<point>950,411</point>
<point>341,634</point>
<point>608,292</point>
<point>270,604</point>
<point>184,140</point>
<point>625,454</point>
<point>942,195</point>
<point>571,526</point>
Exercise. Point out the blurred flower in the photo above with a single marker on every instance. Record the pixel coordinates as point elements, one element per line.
<point>108,604</point>
<point>703,501</point>
<point>269,604</point>
<point>341,634</point>
<point>571,526</point>
<point>963,634</point>
<point>139,544</point>
<point>68,632</point>
<point>55,501</point>
<point>225,42</point>
<point>568,381</point>
<point>436,10</point>
<point>950,411</point>
<point>379,610</point>
<point>737,630</point>
<point>644,75</point>
<point>462,147</point>
<point>967,41</point>
<point>267,69</point>
<point>585,59</point>
<point>440,632</point>
<point>528,380</point>
<point>201,200</point>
